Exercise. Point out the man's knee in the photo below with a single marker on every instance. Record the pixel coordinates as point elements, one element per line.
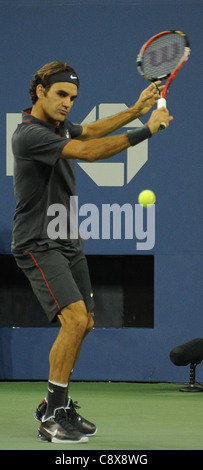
<point>75,313</point>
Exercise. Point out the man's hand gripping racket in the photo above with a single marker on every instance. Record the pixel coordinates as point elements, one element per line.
<point>162,57</point>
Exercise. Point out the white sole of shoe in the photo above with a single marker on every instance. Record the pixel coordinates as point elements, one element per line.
<point>55,440</point>
<point>68,441</point>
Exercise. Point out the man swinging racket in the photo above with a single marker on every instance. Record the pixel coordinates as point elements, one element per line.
<point>45,146</point>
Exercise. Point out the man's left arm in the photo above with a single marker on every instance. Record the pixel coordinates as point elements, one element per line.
<point>102,127</point>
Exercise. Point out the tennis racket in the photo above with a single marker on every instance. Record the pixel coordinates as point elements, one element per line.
<point>162,57</point>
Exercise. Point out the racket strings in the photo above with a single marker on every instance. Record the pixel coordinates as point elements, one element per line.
<point>163,55</point>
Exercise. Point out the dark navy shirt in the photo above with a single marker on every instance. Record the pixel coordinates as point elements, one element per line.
<point>41,179</point>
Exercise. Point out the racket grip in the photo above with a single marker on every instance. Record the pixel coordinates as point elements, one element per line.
<point>160,104</point>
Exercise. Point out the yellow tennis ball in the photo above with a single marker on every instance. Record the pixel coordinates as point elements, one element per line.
<point>146,197</point>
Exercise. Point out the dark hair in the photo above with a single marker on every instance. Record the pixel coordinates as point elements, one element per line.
<point>42,75</point>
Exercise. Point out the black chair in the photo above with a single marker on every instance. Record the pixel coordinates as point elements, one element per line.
<point>189,353</point>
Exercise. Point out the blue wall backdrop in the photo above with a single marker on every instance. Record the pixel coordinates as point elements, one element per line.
<point>101,40</point>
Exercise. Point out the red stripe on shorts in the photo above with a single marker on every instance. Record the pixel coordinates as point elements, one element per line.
<point>46,282</point>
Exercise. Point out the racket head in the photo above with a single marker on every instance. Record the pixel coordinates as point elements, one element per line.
<point>162,54</point>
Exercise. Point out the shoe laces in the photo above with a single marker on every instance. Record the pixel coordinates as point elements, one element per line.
<point>61,418</point>
<point>72,405</point>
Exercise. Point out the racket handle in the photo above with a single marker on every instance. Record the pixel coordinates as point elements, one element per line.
<point>160,104</point>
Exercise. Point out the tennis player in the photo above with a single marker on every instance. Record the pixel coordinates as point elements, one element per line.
<point>45,146</point>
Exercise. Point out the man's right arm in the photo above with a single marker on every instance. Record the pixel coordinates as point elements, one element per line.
<point>105,147</point>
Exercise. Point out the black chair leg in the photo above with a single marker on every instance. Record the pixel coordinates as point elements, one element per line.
<point>192,387</point>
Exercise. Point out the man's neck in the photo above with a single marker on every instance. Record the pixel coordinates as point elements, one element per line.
<point>39,113</point>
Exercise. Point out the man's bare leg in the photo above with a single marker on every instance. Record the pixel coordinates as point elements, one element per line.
<point>65,350</point>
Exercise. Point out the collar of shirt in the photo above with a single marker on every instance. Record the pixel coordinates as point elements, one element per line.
<point>27,117</point>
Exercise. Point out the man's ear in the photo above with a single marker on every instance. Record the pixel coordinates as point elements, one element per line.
<point>40,91</point>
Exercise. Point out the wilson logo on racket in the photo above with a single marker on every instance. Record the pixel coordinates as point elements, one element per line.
<point>165,54</point>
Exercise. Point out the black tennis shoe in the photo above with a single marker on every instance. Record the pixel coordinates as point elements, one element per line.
<point>81,424</point>
<point>58,429</point>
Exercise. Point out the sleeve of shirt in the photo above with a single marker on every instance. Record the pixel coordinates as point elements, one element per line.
<point>75,130</point>
<point>39,144</point>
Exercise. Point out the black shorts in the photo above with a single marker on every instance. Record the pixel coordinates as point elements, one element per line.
<point>58,278</point>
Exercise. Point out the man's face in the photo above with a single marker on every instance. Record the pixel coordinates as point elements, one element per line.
<point>57,102</point>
